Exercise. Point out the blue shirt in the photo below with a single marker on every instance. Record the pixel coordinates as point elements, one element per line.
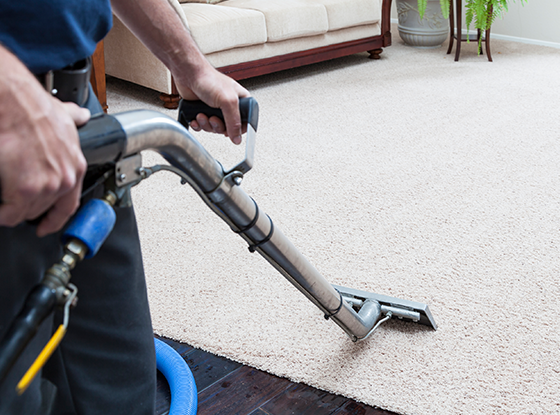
<point>52,34</point>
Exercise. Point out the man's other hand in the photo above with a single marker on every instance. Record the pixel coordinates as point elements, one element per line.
<point>41,162</point>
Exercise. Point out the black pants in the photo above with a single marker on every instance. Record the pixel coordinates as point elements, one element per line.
<point>106,362</point>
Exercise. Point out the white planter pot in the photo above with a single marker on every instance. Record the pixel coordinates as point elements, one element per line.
<point>429,32</point>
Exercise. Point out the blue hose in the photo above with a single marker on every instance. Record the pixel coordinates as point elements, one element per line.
<point>180,379</point>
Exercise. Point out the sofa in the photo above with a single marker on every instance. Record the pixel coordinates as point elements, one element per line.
<point>248,38</point>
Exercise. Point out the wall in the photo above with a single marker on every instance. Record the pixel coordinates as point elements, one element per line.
<point>536,21</point>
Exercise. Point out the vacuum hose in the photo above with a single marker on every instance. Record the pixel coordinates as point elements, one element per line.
<point>39,304</point>
<point>184,399</point>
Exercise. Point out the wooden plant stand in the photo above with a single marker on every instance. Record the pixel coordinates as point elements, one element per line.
<point>459,35</point>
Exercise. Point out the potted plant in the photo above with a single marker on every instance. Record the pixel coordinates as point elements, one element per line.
<point>423,23</point>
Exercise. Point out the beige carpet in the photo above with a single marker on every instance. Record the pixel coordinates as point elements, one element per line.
<point>413,176</point>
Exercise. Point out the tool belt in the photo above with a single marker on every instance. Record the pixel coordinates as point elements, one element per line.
<point>69,84</point>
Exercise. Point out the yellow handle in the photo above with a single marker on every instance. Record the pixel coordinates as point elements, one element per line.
<point>41,359</point>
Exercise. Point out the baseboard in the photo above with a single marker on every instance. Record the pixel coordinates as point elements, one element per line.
<point>524,40</point>
<point>512,38</point>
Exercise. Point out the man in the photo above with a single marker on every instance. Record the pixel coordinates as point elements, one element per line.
<point>106,363</point>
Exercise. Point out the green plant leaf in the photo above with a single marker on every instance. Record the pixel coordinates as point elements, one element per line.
<point>422,4</point>
<point>444,8</point>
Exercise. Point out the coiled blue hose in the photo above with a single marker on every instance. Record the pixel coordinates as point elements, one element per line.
<point>184,399</point>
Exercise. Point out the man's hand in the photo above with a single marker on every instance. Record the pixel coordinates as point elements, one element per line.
<point>41,162</point>
<point>218,91</point>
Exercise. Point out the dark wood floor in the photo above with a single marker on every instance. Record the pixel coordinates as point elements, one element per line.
<point>229,388</point>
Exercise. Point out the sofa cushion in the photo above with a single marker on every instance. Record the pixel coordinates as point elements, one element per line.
<point>287,19</point>
<point>349,13</point>
<point>216,28</point>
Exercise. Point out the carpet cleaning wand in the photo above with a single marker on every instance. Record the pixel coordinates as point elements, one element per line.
<point>358,313</point>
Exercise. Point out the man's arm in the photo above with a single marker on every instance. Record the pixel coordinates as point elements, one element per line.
<point>160,28</point>
<point>41,162</point>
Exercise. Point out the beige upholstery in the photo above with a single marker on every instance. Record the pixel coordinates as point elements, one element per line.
<point>127,58</point>
<point>220,28</point>
<point>287,19</point>
<point>349,13</point>
<point>238,31</point>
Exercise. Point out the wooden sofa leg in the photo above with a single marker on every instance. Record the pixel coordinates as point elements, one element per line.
<point>374,54</point>
<point>170,101</point>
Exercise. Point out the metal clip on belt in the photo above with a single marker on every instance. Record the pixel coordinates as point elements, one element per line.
<point>70,84</point>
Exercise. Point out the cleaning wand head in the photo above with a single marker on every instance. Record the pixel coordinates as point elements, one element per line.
<point>390,306</point>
